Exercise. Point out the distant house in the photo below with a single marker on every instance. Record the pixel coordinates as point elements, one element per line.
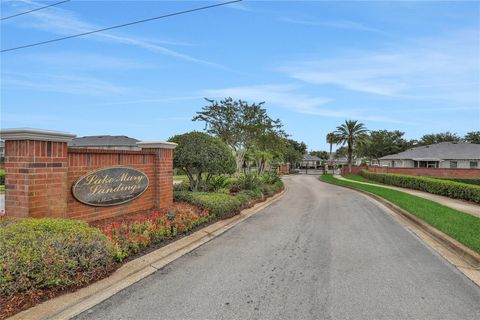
<point>2,148</point>
<point>310,161</point>
<point>440,155</point>
<point>105,142</point>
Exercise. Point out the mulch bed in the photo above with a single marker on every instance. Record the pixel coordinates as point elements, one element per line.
<point>19,302</point>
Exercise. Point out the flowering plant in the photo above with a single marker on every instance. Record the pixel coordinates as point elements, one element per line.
<point>134,235</point>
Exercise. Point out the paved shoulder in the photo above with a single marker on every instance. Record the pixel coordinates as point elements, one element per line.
<point>320,252</point>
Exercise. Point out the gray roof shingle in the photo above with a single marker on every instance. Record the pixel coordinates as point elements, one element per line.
<point>101,141</point>
<point>441,151</point>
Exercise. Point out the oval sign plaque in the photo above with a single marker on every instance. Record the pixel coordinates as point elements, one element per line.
<point>110,186</point>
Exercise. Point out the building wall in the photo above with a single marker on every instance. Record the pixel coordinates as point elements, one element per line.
<point>430,172</point>
<point>461,164</point>
<point>40,175</point>
<point>82,161</point>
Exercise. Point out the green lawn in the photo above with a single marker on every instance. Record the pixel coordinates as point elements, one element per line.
<point>459,225</point>
<point>359,178</point>
<point>180,177</point>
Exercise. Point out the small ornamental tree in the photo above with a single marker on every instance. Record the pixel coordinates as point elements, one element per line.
<point>201,156</point>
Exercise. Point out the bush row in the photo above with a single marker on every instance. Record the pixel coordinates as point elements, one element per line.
<point>462,180</point>
<point>47,253</point>
<point>447,188</point>
<point>2,177</point>
<point>224,204</point>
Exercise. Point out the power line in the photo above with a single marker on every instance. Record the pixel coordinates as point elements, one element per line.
<point>41,8</point>
<point>120,25</point>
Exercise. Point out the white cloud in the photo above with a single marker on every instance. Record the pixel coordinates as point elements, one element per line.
<point>338,24</point>
<point>285,95</point>
<point>61,83</point>
<point>64,22</point>
<point>445,69</point>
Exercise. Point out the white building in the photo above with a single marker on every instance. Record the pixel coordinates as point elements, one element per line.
<point>441,155</point>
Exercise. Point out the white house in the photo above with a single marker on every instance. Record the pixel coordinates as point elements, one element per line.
<point>441,155</point>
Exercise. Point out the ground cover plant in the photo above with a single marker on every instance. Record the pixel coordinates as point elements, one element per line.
<point>231,194</point>
<point>359,178</point>
<point>131,235</point>
<point>40,257</point>
<point>459,225</point>
<point>450,189</point>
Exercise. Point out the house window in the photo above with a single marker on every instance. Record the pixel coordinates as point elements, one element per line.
<point>393,164</point>
<point>473,164</point>
<point>453,164</point>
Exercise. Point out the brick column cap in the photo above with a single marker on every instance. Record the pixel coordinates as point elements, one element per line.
<point>156,145</point>
<point>35,134</point>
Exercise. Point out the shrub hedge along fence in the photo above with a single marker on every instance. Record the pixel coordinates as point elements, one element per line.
<point>447,188</point>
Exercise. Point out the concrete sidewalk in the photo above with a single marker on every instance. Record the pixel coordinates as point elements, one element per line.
<point>456,204</point>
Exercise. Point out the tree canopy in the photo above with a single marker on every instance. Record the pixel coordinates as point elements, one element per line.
<point>201,156</point>
<point>352,133</point>
<point>472,137</point>
<point>439,137</point>
<point>241,126</point>
<point>383,142</point>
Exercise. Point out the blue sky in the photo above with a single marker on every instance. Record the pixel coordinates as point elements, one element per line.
<point>412,66</point>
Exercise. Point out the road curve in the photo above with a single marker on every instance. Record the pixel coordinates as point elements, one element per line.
<point>321,252</point>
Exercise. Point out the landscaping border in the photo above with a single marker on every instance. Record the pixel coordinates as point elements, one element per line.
<point>461,251</point>
<point>72,304</point>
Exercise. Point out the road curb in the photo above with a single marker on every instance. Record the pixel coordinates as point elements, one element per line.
<point>461,251</point>
<point>72,304</point>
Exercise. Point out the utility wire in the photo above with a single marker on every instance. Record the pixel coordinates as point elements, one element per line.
<point>41,8</point>
<point>120,25</point>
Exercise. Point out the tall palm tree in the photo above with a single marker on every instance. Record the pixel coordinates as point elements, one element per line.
<point>351,132</point>
<point>331,139</point>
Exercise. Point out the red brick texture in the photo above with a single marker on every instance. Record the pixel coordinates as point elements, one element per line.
<point>427,172</point>
<point>40,175</point>
<point>35,178</point>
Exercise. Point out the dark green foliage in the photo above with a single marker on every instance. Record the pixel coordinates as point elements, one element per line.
<point>473,137</point>
<point>438,137</point>
<point>46,253</point>
<point>247,181</point>
<point>218,182</point>
<point>462,180</point>
<point>201,156</point>
<point>450,189</point>
<point>224,204</point>
<point>460,226</point>
<point>2,177</point>
<point>219,204</point>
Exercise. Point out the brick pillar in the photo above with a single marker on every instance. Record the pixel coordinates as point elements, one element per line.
<point>163,170</point>
<point>35,172</point>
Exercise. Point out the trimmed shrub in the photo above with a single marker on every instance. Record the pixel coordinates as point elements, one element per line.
<point>462,180</point>
<point>219,204</point>
<point>2,177</point>
<point>47,253</point>
<point>447,188</point>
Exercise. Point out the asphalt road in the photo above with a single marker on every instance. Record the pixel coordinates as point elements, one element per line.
<point>321,252</point>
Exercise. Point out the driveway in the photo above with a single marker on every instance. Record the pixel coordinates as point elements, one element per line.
<point>321,252</point>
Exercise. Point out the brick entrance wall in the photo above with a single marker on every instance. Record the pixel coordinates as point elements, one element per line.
<point>40,171</point>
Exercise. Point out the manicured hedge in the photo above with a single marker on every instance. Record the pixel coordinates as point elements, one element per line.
<point>2,177</point>
<point>47,253</point>
<point>462,180</point>
<point>450,189</point>
<point>223,204</point>
<point>219,204</point>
